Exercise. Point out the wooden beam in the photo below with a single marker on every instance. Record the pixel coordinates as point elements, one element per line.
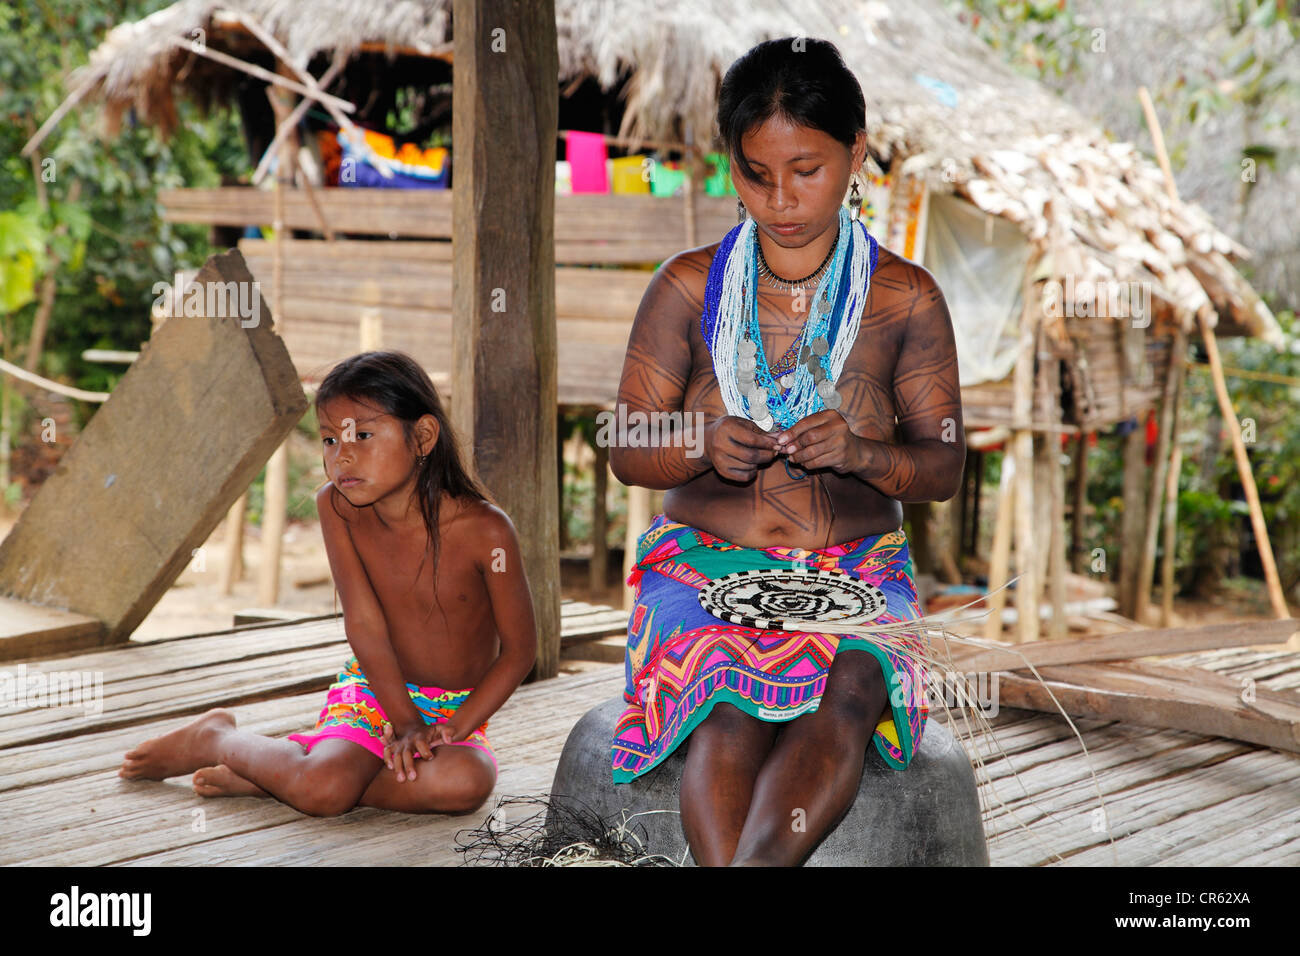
<point>1122,646</point>
<point>1178,698</point>
<point>588,227</point>
<point>29,630</point>
<point>503,303</point>
<point>150,476</point>
<point>325,99</point>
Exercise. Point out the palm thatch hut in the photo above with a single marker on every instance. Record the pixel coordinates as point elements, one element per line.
<point>1072,275</point>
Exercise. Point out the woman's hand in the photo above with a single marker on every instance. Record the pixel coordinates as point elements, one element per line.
<point>735,447</point>
<point>400,748</point>
<point>823,440</point>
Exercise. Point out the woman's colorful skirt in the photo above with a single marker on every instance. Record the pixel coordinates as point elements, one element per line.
<point>681,660</point>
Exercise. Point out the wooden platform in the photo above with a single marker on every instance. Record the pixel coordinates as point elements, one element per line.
<point>1171,797</point>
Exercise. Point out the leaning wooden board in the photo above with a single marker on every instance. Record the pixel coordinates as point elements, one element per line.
<point>186,430</point>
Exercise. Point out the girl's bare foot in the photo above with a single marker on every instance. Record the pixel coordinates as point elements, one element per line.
<point>180,752</point>
<point>221,781</point>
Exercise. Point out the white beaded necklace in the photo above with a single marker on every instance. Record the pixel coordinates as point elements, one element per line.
<point>736,345</point>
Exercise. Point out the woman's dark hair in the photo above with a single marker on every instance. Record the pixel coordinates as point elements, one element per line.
<point>394,383</point>
<point>800,79</point>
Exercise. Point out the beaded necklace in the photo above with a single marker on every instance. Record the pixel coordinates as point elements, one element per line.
<point>731,331</point>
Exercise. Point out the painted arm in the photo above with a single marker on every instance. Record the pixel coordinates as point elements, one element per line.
<point>926,465</point>
<point>655,374</point>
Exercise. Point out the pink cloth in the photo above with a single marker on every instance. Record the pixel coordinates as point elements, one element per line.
<point>587,155</point>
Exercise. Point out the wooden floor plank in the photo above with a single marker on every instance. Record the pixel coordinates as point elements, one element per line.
<point>1170,795</point>
<point>1142,810</point>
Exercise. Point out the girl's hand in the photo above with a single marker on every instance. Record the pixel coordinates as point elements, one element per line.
<point>823,440</point>
<point>735,447</point>
<point>400,750</point>
<point>444,733</point>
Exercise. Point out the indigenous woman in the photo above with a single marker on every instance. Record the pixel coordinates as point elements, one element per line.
<point>821,372</point>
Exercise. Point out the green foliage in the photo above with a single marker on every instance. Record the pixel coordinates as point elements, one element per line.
<point>1037,37</point>
<point>101,230</point>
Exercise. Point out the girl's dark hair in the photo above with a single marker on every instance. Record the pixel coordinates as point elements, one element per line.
<point>394,383</point>
<point>798,78</point>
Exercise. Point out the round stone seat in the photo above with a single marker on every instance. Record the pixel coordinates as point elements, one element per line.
<point>926,815</point>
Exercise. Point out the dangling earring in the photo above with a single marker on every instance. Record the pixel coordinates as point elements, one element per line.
<point>855,201</point>
<point>741,211</point>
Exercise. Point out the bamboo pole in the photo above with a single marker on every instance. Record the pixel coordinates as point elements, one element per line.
<point>1275,595</point>
<point>325,99</point>
<point>291,121</point>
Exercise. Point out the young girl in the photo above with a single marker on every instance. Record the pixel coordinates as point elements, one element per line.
<point>407,531</point>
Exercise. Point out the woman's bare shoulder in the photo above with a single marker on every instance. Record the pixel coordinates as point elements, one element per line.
<point>678,283</point>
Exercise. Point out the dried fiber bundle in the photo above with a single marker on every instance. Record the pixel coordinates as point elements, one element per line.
<point>516,833</point>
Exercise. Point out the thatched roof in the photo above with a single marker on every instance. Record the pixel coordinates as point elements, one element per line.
<point>938,100</point>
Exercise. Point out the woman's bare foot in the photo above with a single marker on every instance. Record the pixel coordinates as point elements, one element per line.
<point>180,752</point>
<point>221,781</point>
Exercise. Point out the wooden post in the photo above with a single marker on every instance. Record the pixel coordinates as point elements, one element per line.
<point>599,520</point>
<point>504,125</point>
<point>638,518</point>
<point>920,545</point>
<point>692,170</point>
<point>1134,486</point>
<point>1053,484</point>
<point>371,332</point>
<point>1168,415</point>
<point>1022,449</point>
<point>1000,552</point>
<point>960,507</point>
<point>562,536</point>
<point>1044,462</point>
<point>1078,546</point>
<point>233,569</point>
<point>275,498</point>
<point>948,543</point>
<point>1171,531</point>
